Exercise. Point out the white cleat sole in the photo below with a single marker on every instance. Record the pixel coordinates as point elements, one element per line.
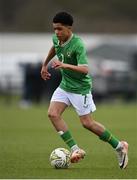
<point>125,160</point>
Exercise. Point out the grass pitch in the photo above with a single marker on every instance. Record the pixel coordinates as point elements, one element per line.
<point>27,139</point>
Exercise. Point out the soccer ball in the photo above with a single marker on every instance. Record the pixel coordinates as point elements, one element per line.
<point>60,158</point>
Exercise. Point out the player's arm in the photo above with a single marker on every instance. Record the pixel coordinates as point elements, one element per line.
<point>50,55</point>
<point>80,68</point>
<point>44,70</point>
<point>81,57</point>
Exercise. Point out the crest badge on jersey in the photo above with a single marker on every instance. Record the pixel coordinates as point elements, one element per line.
<point>68,54</point>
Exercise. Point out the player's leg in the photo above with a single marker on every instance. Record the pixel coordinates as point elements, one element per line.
<point>121,147</point>
<point>58,104</point>
<point>89,123</point>
<point>83,106</point>
<point>54,113</point>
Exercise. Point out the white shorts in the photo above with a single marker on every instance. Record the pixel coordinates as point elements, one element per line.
<point>83,104</point>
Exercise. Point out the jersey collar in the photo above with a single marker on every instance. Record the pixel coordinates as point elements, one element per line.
<point>65,43</point>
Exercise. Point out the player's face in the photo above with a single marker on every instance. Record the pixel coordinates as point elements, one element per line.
<point>63,32</point>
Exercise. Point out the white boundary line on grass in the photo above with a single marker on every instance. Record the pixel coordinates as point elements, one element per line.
<point>68,179</point>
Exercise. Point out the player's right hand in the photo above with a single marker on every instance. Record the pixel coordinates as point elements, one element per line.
<point>44,73</point>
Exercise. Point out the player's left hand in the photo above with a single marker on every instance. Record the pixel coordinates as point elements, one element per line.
<point>56,64</point>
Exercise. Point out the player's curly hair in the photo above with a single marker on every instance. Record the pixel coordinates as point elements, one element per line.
<point>63,18</point>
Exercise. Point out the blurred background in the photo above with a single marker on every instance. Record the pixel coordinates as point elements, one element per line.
<point>108,28</point>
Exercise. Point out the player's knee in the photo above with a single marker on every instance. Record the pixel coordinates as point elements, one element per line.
<point>88,124</point>
<point>85,124</point>
<point>52,115</point>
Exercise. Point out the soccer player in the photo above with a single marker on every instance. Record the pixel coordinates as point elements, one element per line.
<point>75,89</point>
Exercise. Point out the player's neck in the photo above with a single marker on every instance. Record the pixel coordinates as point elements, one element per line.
<point>66,41</point>
<point>68,37</point>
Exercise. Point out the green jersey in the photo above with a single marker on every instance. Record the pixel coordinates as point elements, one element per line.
<point>73,52</point>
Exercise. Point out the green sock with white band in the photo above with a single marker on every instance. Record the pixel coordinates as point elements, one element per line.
<point>68,139</point>
<point>108,137</point>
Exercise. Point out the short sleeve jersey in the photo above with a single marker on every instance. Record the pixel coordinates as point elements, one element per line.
<point>73,52</point>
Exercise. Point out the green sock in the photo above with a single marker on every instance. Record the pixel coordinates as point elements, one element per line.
<point>68,139</point>
<point>108,137</point>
